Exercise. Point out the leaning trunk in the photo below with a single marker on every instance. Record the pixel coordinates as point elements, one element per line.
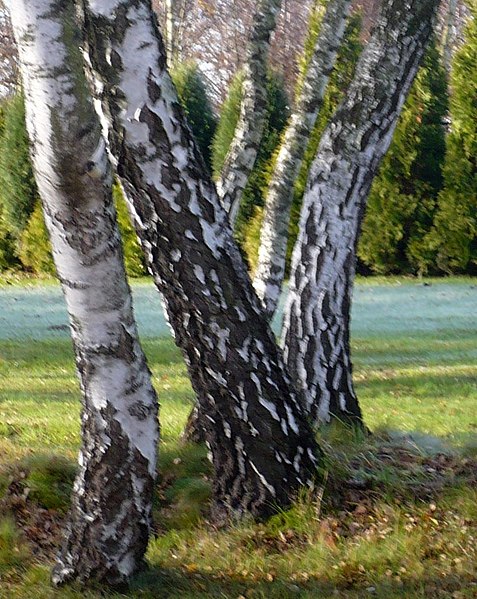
<point>243,151</point>
<point>316,328</point>
<point>449,35</point>
<point>170,31</point>
<point>261,446</point>
<point>110,517</point>
<point>274,233</point>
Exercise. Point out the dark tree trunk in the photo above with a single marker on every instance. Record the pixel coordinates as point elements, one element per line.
<point>109,521</point>
<point>316,328</point>
<point>276,220</point>
<point>262,447</point>
<point>194,430</point>
<point>243,151</point>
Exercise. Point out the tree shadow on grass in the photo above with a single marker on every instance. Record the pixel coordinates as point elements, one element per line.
<point>369,485</point>
<point>180,584</point>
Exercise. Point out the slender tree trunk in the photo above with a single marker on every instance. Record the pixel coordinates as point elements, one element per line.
<point>274,234</point>
<point>316,327</point>
<point>170,31</point>
<point>261,446</point>
<point>248,134</point>
<point>450,34</point>
<point>109,522</point>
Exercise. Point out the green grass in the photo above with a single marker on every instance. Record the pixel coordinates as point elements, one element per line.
<point>398,517</point>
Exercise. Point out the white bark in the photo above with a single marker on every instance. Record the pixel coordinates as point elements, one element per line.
<point>175,13</point>
<point>261,447</point>
<point>110,518</point>
<point>316,327</point>
<point>170,31</point>
<point>248,134</point>
<point>450,34</point>
<point>274,233</point>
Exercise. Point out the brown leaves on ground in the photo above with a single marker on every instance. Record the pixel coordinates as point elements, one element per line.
<point>41,527</point>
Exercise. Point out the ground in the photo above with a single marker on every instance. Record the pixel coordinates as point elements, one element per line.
<point>397,517</point>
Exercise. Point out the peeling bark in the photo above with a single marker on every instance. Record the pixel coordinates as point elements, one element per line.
<point>274,233</point>
<point>316,327</point>
<point>261,446</point>
<point>248,134</point>
<point>110,517</point>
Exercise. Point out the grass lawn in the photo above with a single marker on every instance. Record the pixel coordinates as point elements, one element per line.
<point>398,517</point>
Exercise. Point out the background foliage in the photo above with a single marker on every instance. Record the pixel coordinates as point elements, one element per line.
<point>422,210</point>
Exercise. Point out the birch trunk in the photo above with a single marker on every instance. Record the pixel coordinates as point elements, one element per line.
<point>274,234</point>
<point>169,33</point>
<point>450,35</point>
<point>316,327</point>
<point>110,517</point>
<point>248,134</point>
<point>261,446</point>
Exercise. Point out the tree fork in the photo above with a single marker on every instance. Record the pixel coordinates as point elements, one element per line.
<point>261,445</point>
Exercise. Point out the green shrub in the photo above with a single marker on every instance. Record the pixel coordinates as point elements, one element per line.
<point>251,239</point>
<point>256,189</point>
<point>34,247</point>
<point>8,257</point>
<point>195,101</point>
<point>254,193</point>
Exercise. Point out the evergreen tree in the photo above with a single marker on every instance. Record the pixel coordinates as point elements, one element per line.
<point>18,192</point>
<point>34,248</point>
<point>194,99</point>
<point>452,243</point>
<point>24,241</point>
<point>7,246</point>
<point>402,202</point>
<point>229,116</point>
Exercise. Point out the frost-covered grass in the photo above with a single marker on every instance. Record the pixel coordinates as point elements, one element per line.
<point>398,517</point>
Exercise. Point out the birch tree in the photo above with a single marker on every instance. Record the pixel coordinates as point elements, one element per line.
<point>244,148</point>
<point>109,522</point>
<point>316,326</point>
<point>261,445</point>
<point>175,17</point>
<point>274,233</point>
<point>449,34</point>
<point>452,18</point>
